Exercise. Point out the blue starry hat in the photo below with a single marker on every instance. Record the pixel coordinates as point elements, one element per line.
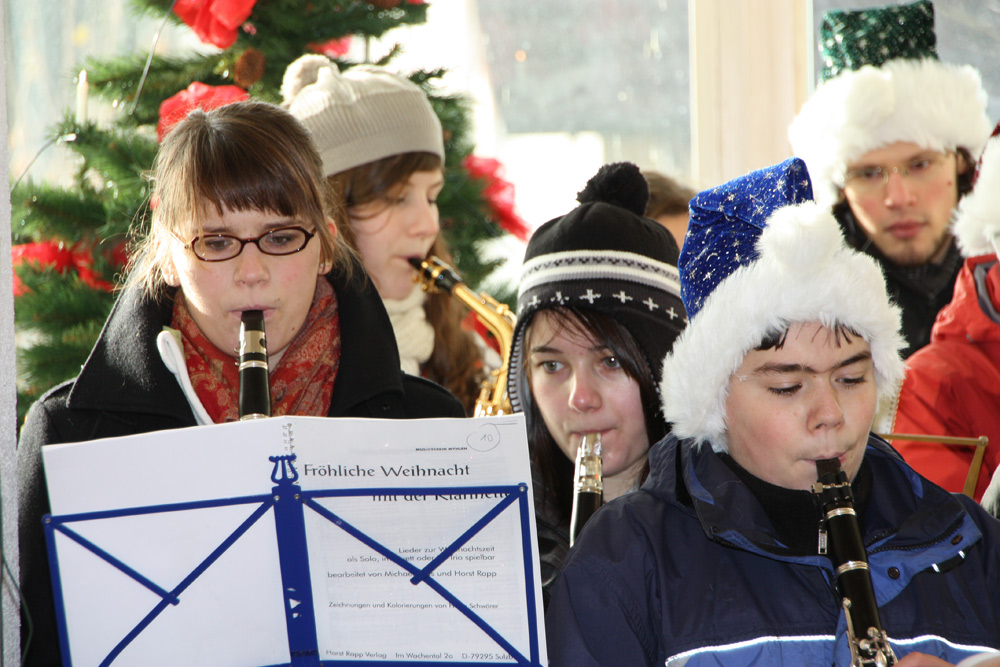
<point>759,256</point>
<point>604,256</point>
<point>883,83</point>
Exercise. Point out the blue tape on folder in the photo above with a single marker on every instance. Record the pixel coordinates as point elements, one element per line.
<point>288,503</point>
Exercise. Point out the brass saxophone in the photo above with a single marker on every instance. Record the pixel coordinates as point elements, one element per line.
<point>867,640</point>
<point>435,275</point>
<point>588,484</point>
<point>255,385</point>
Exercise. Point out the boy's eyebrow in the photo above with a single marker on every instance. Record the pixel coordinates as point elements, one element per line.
<point>770,367</point>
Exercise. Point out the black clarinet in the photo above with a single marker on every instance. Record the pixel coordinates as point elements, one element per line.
<point>868,641</point>
<point>588,483</point>
<point>255,387</point>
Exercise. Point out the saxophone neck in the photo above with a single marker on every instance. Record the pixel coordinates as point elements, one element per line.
<point>436,276</point>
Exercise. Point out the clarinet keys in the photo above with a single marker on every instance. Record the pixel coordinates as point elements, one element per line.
<point>588,484</point>
<point>255,384</point>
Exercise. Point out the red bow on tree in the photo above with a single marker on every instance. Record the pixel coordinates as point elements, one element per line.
<point>196,96</point>
<point>499,194</point>
<point>215,21</point>
<point>333,48</point>
<point>55,254</point>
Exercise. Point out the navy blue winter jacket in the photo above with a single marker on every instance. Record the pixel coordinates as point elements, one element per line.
<point>688,571</point>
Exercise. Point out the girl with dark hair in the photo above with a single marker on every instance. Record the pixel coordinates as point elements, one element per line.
<point>598,309</point>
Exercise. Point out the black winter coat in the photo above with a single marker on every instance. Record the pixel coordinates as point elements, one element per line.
<point>124,388</point>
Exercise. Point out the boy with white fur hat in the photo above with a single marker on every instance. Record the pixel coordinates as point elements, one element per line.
<point>952,385</point>
<point>891,136</point>
<point>790,342</point>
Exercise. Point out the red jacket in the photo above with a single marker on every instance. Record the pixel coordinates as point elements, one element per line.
<point>952,386</point>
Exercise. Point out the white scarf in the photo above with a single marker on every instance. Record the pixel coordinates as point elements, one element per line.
<point>414,334</point>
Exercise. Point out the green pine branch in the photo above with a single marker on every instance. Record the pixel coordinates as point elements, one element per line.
<point>116,81</point>
<point>120,156</point>
<point>55,360</point>
<point>41,211</point>
<point>57,301</point>
<point>292,20</point>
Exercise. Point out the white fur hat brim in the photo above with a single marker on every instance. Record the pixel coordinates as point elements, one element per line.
<point>935,105</point>
<point>805,273</point>
<point>977,222</point>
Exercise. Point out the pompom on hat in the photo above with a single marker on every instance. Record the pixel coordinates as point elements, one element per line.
<point>361,115</point>
<point>883,83</point>
<point>977,223</point>
<point>759,256</point>
<point>603,256</point>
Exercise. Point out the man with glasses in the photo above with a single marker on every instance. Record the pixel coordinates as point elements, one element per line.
<point>890,138</point>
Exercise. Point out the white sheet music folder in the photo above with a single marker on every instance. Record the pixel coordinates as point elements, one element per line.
<point>298,541</point>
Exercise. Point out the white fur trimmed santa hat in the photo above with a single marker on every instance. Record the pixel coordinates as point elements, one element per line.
<point>883,83</point>
<point>977,223</point>
<point>759,256</point>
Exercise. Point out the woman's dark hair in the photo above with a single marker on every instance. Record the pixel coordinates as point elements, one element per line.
<point>456,360</point>
<point>551,465</point>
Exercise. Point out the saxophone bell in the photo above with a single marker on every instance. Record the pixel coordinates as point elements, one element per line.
<point>255,387</point>
<point>839,530</point>
<point>588,484</point>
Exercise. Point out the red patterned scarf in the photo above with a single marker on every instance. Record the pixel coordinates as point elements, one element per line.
<point>302,382</point>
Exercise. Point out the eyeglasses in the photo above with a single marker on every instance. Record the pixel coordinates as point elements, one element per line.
<point>220,247</point>
<point>921,169</point>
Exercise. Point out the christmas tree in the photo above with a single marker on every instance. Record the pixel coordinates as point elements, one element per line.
<point>71,242</point>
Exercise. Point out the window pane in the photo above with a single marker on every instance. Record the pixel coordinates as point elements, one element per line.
<point>579,84</point>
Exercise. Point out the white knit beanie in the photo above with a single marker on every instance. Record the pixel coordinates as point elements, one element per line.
<point>361,115</point>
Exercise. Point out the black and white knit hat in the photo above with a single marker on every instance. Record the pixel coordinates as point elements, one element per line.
<point>884,83</point>
<point>603,256</point>
<point>360,115</point>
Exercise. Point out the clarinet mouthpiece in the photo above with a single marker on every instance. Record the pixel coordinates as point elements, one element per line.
<point>827,467</point>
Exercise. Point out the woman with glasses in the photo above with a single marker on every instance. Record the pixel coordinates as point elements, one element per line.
<point>242,219</point>
<point>383,153</point>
